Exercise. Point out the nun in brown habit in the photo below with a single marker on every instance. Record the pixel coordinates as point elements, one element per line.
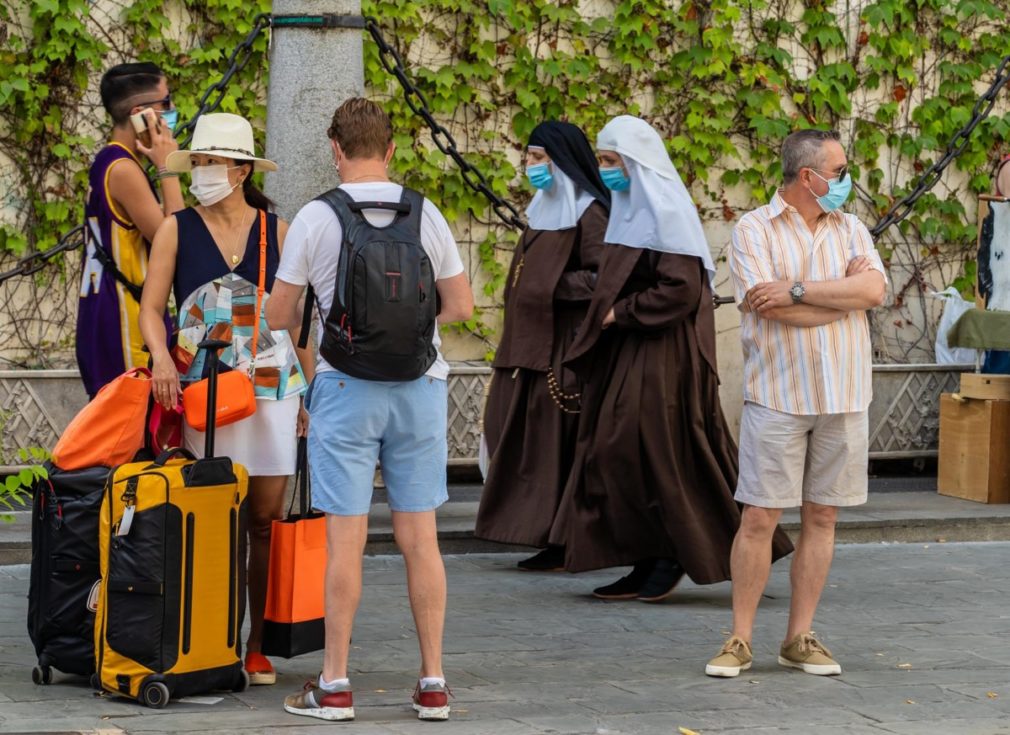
<point>531,415</point>
<point>655,465</point>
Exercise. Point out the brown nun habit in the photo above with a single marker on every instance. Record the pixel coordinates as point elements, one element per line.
<point>531,419</point>
<point>655,464</point>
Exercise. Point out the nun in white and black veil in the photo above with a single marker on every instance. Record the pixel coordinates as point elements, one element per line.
<point>655,465</point>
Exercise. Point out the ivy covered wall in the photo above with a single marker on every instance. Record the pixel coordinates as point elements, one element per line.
<point>52,55</point>
<point>724,80</point>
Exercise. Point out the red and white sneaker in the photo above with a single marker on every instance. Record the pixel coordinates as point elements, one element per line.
<point>314,701</point>
<point>432,701</point>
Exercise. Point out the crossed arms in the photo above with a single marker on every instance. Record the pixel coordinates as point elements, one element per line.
<point>824,301</point>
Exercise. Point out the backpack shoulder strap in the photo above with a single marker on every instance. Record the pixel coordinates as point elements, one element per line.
<point>310,299</point>
<point>416,201</point>
<point>338,200</point>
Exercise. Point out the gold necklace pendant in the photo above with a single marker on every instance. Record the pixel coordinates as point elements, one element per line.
<point>243,234</point>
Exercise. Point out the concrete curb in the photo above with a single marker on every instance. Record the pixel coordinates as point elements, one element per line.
<point>888,517</point>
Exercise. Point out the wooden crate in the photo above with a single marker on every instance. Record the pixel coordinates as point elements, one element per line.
<point>981,385</point>
<point>974,459</point>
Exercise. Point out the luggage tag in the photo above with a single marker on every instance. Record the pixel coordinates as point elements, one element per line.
<point>126,521</point>
<point>129,497</point>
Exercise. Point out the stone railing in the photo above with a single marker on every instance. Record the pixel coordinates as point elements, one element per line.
<point>905,412</point>
<point>35,406</point>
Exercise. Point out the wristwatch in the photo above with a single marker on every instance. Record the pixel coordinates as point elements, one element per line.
<point>797,292</point>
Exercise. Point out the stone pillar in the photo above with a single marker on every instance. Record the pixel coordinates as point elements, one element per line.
<point>311,72</point>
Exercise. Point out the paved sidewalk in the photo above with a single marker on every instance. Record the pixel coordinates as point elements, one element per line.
<point>920,630</point>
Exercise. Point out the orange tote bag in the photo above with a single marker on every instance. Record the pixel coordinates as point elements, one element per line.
<point>110,430</point>
<point>293,622</point>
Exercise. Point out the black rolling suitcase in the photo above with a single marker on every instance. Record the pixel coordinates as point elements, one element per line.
<point>62,591</point>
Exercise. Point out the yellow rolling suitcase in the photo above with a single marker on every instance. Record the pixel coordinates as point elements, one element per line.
<point>172,556</point>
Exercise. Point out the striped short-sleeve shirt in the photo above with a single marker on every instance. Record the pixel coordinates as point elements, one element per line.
<point>802,370</point>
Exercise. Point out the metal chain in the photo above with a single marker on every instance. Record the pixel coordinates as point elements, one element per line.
<point>393,64</point>
<point>240,56</point>
<point>903,207</point>
<point>34,262</point>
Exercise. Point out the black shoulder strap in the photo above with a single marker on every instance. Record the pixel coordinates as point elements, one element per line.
<point>416,202</point>
<point>339,201</point>
<point>110,265</point>
<point>303,336</point>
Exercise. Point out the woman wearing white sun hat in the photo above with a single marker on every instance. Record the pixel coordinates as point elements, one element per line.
<point>209,255</point>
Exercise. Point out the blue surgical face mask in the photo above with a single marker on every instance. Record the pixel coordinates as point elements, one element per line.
<point>614,179</point>
<point>838,192</point>
<point>170,118</point>
<point>540,176</point>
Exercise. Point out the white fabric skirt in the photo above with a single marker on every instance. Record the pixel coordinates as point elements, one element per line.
<point>265,443</point>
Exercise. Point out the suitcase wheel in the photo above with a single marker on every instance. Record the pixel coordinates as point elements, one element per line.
<point>154,694</point>
<point>96,682</point>
<point>243,681</point>
<point>42,675</point>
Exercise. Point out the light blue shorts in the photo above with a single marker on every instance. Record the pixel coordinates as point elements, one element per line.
<point>355,422</point>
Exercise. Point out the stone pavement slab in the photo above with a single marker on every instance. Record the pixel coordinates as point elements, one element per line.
<point>920,630</point>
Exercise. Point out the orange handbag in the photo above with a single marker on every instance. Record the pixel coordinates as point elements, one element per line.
<point>110,429</point>
<point>236,395</point>
<point>293,621</point>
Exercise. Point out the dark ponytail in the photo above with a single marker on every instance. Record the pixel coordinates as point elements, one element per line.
<point>254,197</point>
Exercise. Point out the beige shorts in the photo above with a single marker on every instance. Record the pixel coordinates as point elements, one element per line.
<point>786,460</point>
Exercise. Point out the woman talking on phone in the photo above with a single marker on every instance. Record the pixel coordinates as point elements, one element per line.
<point>217,257</point>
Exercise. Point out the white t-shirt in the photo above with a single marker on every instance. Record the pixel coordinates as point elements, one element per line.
<point>312,250</point>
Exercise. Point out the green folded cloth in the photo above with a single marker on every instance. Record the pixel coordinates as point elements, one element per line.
<point>981,330</point>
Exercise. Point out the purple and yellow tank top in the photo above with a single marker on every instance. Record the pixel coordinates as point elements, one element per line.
<point>108,329</point>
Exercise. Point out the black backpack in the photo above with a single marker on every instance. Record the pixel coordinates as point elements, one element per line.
<point>382,319</point>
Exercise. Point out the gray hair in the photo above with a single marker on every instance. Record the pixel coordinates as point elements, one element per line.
<point>802,149</point>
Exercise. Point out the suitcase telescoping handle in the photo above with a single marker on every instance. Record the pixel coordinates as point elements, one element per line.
<point>212,346</point>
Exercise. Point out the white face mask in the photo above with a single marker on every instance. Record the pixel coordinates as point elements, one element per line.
<point>210,183</point>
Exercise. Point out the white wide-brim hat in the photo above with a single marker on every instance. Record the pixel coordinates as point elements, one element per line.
<point>220,134</point>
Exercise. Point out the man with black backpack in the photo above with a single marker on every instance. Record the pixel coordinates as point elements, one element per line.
<point>383,270</point>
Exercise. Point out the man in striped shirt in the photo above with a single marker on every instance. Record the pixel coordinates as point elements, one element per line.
<point>804,273</point>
